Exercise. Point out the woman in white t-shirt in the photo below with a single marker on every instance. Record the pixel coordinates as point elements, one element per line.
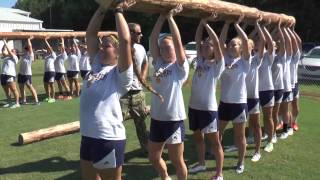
<point>49,72</point>
<point>25,74</point>
<point>203,109</point>
<point>233,102</point>
<point>103,133</point>
<point>8,74</point>
<point>73,68</point>
<point>167,118</point>
<point>84,64</point>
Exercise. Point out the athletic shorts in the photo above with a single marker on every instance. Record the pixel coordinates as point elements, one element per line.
<point>104,154</point>
<point>24,79</point>
<point>235,112</point>
<point>5,79</point>
<point>169,132</point>
<point>59,76</point>
<point>278,96</point>
<point>295,91</point>
<point>205,121</point>
<point>253,106</point>
<point>72,74</point>
<point>266,98</point>
<point>49,77</point>
<point>83,73</point>
<point>287,96</point>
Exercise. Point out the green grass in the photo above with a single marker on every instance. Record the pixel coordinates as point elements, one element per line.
<point>58,158</point>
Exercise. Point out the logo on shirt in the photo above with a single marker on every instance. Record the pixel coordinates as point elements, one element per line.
<point>201,69</point>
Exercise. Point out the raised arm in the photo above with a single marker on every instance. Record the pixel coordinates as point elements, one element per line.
<point>244,37</point>
<point>62,44</point>
<point>295,46</point>
<point>125,56</point>
<point>29,44</point>
<point>282,49</point>
<point>75,43</point>
<point>198,38</point>
<point>298,39</point>
<point>11,54</point>
<point>288,44</point>
<point>223,36</point>
<point>262,39</point>
<point>216,43</point>
<point>48,45</point>
<point>269,40</point>
<point>154,47</point>
<point>180,52</point>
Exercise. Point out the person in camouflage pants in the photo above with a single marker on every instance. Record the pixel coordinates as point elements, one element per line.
<point>133,103</point>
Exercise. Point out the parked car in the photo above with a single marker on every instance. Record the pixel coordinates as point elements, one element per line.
<point>309,65</point>
<point>307,46</point>
<point>191,51</point>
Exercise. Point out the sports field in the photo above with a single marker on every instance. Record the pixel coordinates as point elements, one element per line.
<point>298,157</point>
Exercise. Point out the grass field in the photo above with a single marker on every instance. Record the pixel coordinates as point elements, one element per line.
<point>297,157</point>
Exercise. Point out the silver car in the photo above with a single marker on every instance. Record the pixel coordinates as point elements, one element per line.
<point>309,66</point>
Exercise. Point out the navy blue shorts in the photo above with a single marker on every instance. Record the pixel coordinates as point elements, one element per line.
<point>266,98</point>
<point>72,74</point>
<point>24,79</point>
<point>233,112</point>
<point>278,96</point>
<point>169,132</point>
<point>295,91</point>
<point>286,96</point>
<point>5,79</point>
<point>104,154</point>
<point>253,106</point>
<point>83,73</point>
<point>205,121</point>
<point>49,77</point>
<point>59,76</point>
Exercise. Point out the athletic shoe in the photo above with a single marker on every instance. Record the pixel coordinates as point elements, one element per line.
<point>256,157</point>
<point>51,100</point>
<point>280,126</point>
<point>290,131</point>
<point>46,99</point>
<point>284,135</point>
<point>295,126</point>
<point>168,178</point>
<point>264,137</point>
<point>250,140</point>
<point>23,102</point>
<point>36,103</point>
<point>274,138</point>
<point>240,169</point>
<point>196,168</point>
<point>269,147</point>
<point>217,178</point>
<point>13,106</point>
<point>6,105</point>
<point>231,148</point>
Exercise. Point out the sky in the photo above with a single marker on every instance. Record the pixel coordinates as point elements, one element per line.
<point>7,3</point>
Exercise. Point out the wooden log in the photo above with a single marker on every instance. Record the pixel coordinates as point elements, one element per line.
<point>202,8</point>
<point>42,35</point>
<point>55,131</point>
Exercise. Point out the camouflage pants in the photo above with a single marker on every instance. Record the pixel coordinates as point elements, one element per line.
<point>133,105</point>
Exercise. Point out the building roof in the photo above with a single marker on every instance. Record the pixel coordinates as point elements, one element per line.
<point>15,15</point>
<point>17,11</point>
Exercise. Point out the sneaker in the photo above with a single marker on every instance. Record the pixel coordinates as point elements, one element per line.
<point>13,106</point>
<point>240,169</point>
<point>256,157</point>
<point>284,135</point>
<point>269,147</point>
<point>290,131</point>
<point>6,105</point>
<point>280,126</point>
<point>231,148</point>
<point>274,138</point>
<point>46,100</point>
<point>51,100</point>
<point>23,102</point>
<point>295,126</point>
<point>264,137</point>
<point>196,168</point>
<point>36,103</point>
<point>217,178</point>
<point>168,178</point>
<point>250,140</point>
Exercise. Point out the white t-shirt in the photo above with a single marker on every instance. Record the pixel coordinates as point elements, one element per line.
<point>100,110</point>
<point>204,81</point>
<point>9,65</point>
<point>233,80</point>
<point>73,61</point>
<point>277,71</point>
<point>169,84</point>
<point>265,74</point>
<point>25,64</point>
<point>59,62</point>
<point>141,57</point>
<point>286,74</point>
<point>252,78</point>
<point>49,62</point>
<point>85,62</point>
<point>294,68</point>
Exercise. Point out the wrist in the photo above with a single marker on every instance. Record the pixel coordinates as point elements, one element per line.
<point>118,10</point>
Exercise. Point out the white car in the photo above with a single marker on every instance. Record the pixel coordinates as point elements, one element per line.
<point>191,51</point>
<point>309,65</point>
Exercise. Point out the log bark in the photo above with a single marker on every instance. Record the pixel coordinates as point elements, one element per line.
<point>42,134</point>
<point>42,35</point>
<point>203,8</point>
